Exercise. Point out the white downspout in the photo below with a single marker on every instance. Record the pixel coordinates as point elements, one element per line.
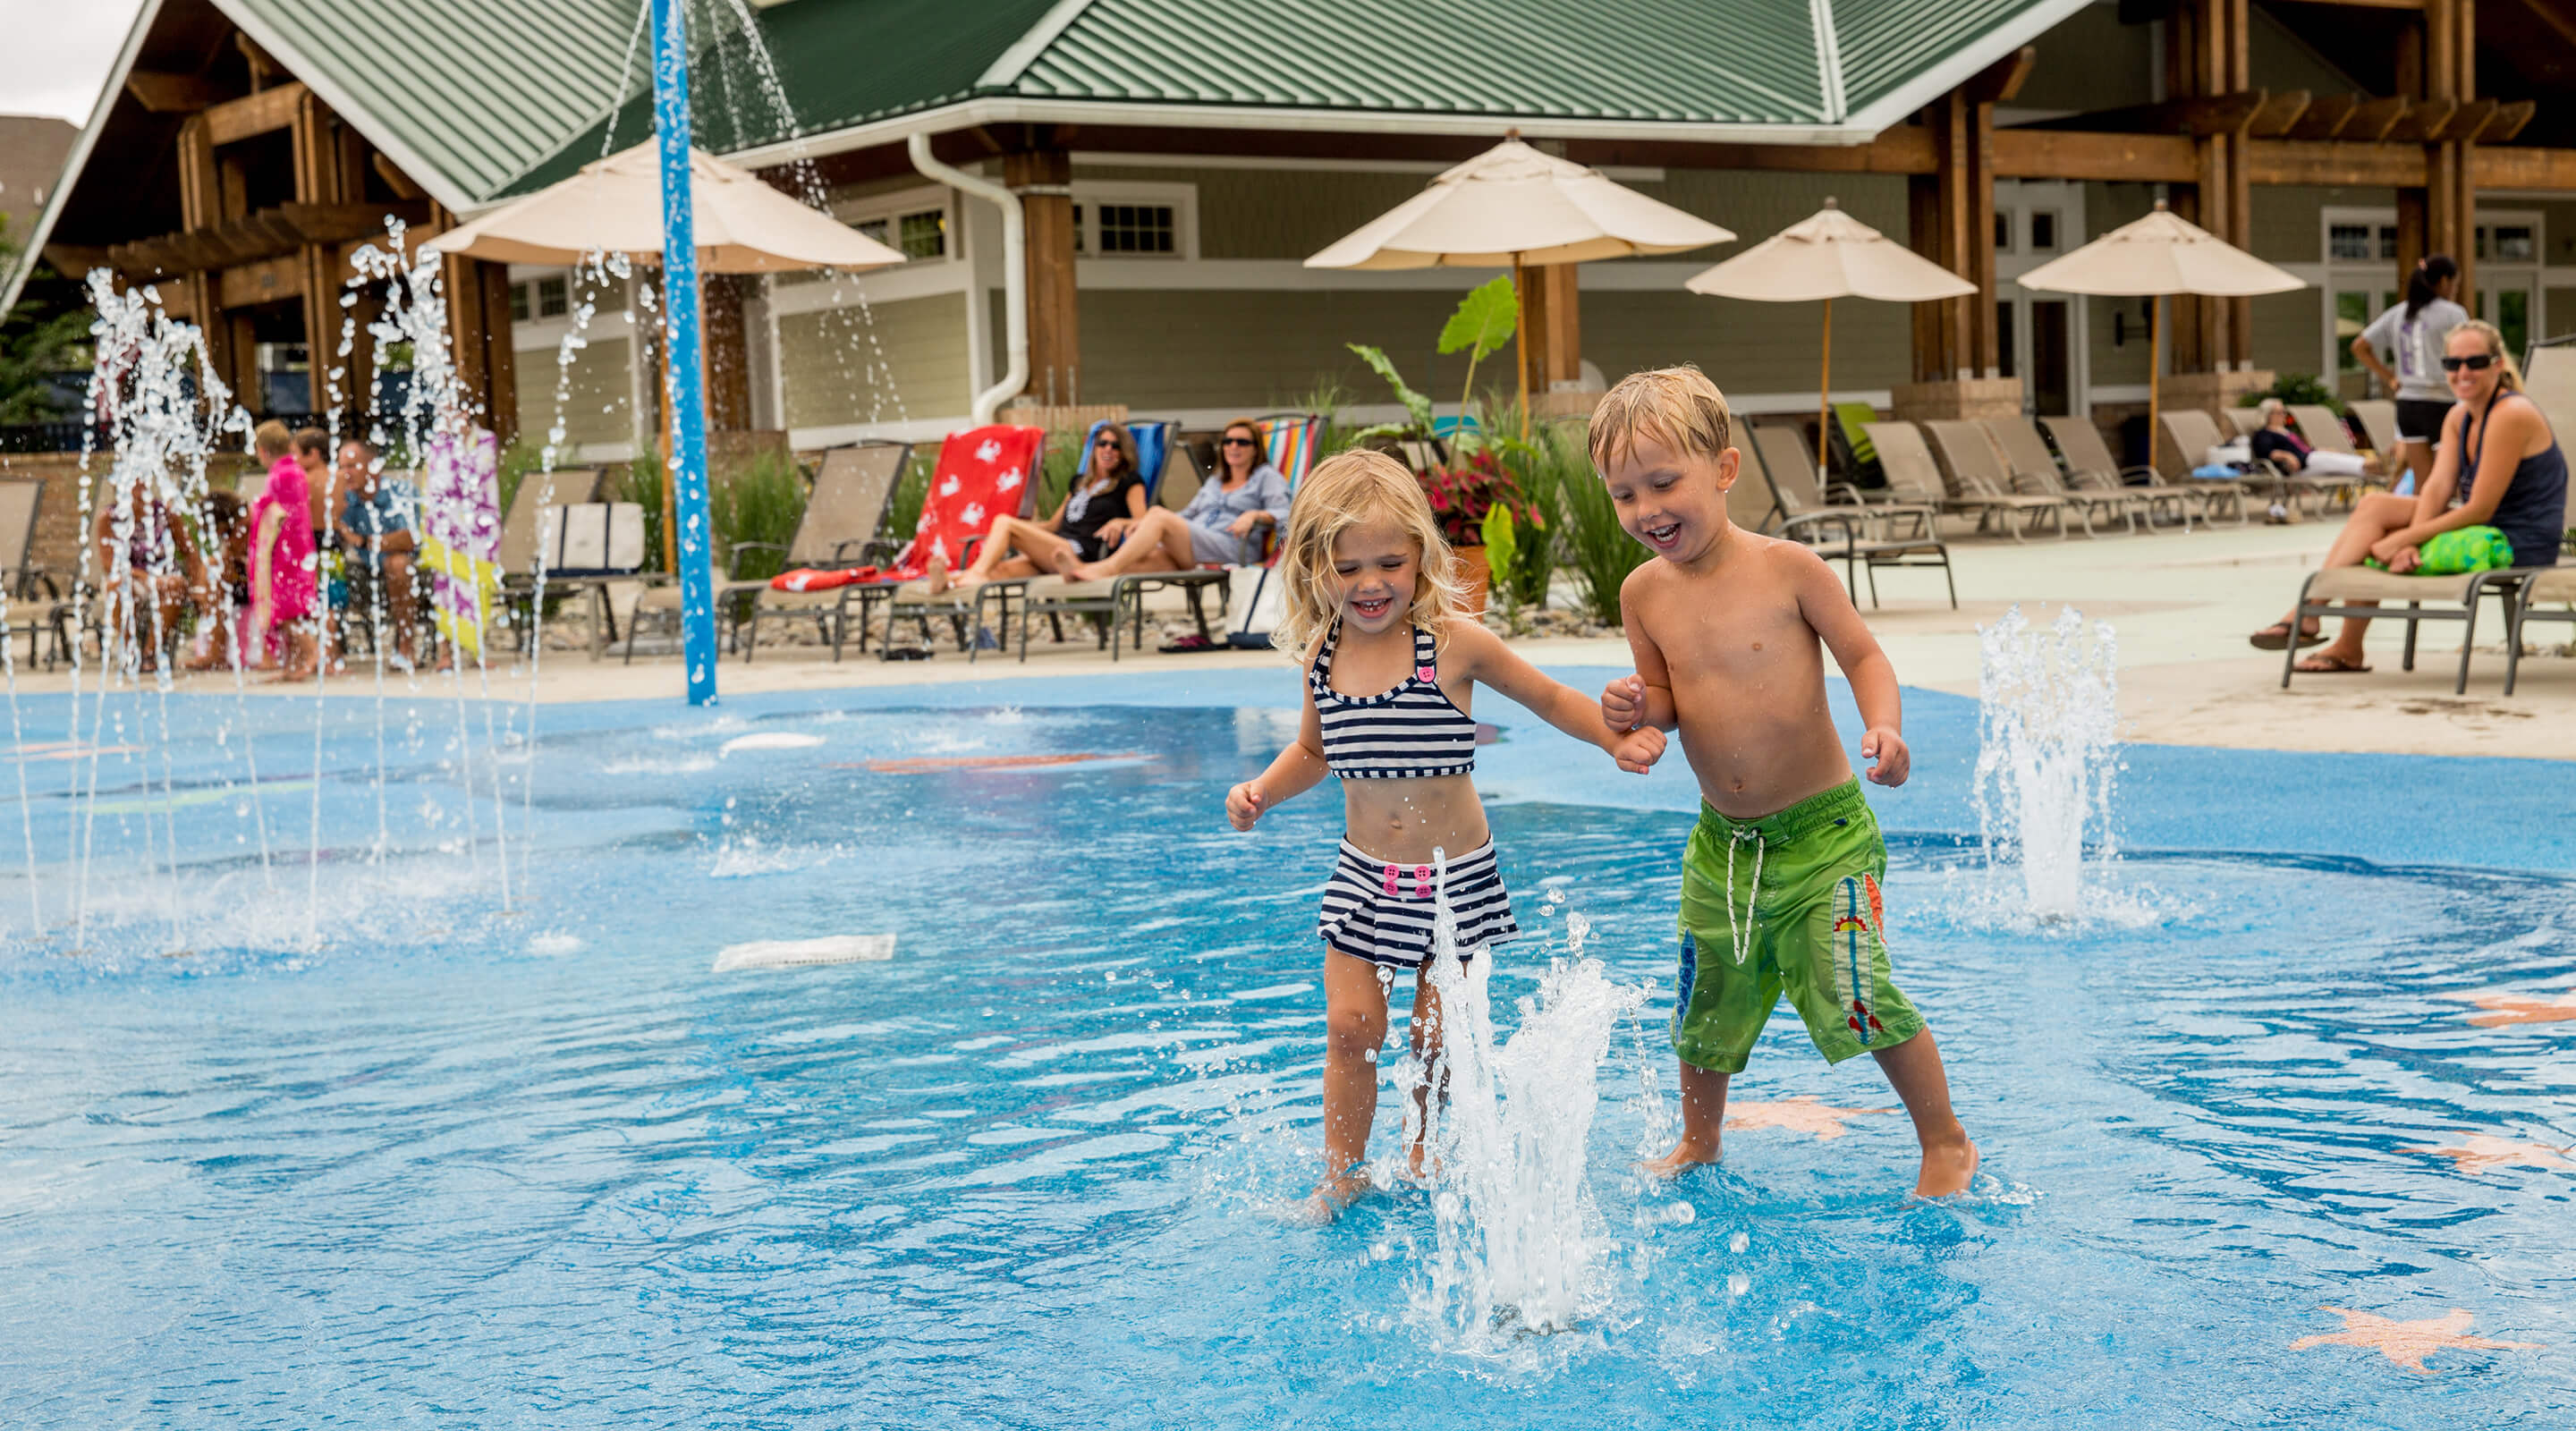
<point>1015,276</point>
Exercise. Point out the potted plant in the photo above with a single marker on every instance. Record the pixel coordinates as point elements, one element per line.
<point>1462,495</point>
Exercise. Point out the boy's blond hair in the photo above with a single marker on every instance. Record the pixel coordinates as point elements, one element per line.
<point>1678,405</point>
<point>1343,492</point>
<point>272,439</point>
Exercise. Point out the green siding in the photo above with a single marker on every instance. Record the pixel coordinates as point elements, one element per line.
<point>2559,312</point>
<point>1245,349</point>
<point>2116,363</point>
<point>893,360</point>
<point>2289,331</point>
<point>2089,60</point>
<point>1749,347</point>
<point>599,404</point>
<point>2281,61</point>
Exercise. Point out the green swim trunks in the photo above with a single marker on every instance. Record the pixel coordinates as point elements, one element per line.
<point>1787,903</point>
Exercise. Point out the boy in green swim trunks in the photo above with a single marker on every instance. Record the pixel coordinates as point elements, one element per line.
<point>1780,882</point>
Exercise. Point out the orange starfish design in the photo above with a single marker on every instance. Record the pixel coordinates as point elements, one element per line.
<point>2406,1343</point>
<point>931,765</point>
<point>1799,1113</point>
<point>2480,1151</point>
<point>2516,1009</point>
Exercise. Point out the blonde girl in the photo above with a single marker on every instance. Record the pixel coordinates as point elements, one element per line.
<point>1377,616</point>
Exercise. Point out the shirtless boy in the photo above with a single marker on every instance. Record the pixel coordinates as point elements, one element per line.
<point>1780,881</point>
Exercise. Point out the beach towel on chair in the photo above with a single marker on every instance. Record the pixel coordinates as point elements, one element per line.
<point>983,473</point>
<point>460,520</point>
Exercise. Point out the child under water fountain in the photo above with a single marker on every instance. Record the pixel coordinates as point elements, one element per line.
<point>1392,660</point>
<point>1725,629</point>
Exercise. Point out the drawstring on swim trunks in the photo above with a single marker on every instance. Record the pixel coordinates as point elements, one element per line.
<point>1742,934</point>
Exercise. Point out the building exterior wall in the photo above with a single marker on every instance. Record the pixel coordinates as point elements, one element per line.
<point>599,398</point>
<point>883,362</point>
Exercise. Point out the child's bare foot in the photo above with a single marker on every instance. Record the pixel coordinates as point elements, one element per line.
<point>1947,1167</point>
<point>1062,562</point>
<point>1336,1193</point>
<point>1685,1155</point>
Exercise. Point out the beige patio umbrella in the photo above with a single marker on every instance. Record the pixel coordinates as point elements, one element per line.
<point>1827,256</point>
<point>615,206</point>
<point>2159,255</point>
<point>1512,206</point>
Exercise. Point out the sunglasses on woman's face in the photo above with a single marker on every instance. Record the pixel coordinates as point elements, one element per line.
<point>2474,362</point>
<point>1238,442</point>
<point>1106,443</point>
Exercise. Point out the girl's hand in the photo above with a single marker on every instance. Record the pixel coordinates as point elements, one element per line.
<point>1244,804</point>
<point>1623,703</point>
<point>1891,761</point>
<point>1638,751</point>
<point>2387,547</point>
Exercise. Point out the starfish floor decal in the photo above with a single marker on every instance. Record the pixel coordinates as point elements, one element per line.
<point>1799,1113</point>
<point>2478,1152</point>
<point>2504,1009</point>
<point>2406,1343</point>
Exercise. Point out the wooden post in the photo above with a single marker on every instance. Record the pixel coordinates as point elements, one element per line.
<point>1520,340</point>
<point>1552,321</point>
<point>1043,178</point>
<point>728,344</point>
<point>1825,394</point>
<point>1978,173</point>
<point>2237,161</point>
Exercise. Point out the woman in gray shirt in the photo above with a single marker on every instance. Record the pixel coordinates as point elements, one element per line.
<point>2413,333</point>
<point>1221,524</point>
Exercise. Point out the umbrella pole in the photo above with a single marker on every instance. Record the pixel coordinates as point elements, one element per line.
<point>1520,321</point>
<point>2155,365</point>
<point>1825,393</point>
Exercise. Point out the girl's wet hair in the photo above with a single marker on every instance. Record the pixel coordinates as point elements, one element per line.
<point>1346,491</point>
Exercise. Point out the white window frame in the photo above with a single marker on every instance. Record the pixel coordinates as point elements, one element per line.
<point>1181,199</point>
<point>892,207</point>
<point>2343,275</point>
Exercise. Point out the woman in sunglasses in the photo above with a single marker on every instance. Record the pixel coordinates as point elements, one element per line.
<point>1220,525</point>
<point>1107,495</point>
<point>2497,496</point>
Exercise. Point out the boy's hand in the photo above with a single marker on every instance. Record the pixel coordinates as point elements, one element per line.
<point>1244,804</point>
<point>1890,760</point>
<point>1638,750</point>
<point>1623,703</point>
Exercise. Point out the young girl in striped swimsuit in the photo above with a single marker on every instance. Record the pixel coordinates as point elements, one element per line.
<point>1375,612</point>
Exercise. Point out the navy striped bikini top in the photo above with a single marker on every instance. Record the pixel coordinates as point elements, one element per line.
<point>1413,732</point>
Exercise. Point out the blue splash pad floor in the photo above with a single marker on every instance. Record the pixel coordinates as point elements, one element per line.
<point>543,1167</point>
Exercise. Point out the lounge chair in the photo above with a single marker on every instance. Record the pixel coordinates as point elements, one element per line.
<point>2378,419</point>
<point>2551,586</point>
<point>2326,433</point>
<point>2034,469</point>
<point>2090,465</point>
<point>1851,427</point>
<point>521,530</point>
<point>2244,421</point>
<point>1857,536</point>
<point>2188,435</point>
<point>844,516</point>
<point>1970,473</point>
<point>980,473</point>
<point>20,574</point>
<point>2360,590</point>
<point>1107,603</point>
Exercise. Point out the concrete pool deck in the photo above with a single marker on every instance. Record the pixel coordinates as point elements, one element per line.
<point>2181,604</point>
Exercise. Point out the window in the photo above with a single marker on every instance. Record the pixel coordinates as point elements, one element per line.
<point>2003,231</point>
<point>2513,244</point>
<point>520,312</point>
<point>2352,314</point>
<point>1137,228</point>
<point>2043,231</point>
<point>875,229</point>
<point>2388,241</point>
<point>923,234</point>
<point>552,298</point>
<point>1081,235</point>
<point>2348,242</point>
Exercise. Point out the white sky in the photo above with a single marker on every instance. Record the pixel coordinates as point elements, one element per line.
<point>57,53</point>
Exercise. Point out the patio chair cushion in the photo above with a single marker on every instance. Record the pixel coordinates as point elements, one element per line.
<point>2360,583</point>
<point>806,578</point>
<point>2557,583</point>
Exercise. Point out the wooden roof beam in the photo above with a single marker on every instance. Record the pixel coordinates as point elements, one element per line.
<point>253,115</point>
<point>2279,114</point>
<point>2466,121</point>
<point>2507,121</point>
<point>1999,82</point>
<point>2423,121</point>
<point>2195,115</point>
<point>2371,120</point>
<point>162,93</point>
<point>2324,116</point>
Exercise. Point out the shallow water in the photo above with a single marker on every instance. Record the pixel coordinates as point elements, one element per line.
<point>457,1166</point>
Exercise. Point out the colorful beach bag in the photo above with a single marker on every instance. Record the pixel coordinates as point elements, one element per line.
<point>2459,552</point>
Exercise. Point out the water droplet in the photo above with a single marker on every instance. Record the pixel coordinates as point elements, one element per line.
<point>1737,1284</point>
<point>1738,1242</point>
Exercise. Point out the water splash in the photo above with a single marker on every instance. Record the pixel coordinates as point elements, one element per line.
<point>2048,707</point>
<point>1519,1245</point>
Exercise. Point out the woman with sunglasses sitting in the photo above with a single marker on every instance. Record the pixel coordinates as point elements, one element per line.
<point>1217,527</point>
<point>2497,457</point>
<point>1108,494</point>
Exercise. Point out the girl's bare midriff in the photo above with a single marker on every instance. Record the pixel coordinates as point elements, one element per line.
<point>1403,821</point>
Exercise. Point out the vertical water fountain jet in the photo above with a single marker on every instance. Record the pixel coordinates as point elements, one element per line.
<point>2048,704</point>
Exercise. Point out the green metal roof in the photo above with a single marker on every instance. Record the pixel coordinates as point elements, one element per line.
<point>464,94</point>
<point>1817,69</point>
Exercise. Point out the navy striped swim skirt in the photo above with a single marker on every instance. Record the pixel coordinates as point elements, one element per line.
<point>1382,912</point>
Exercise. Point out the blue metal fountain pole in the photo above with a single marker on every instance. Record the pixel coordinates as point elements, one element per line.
<point>685,466</point>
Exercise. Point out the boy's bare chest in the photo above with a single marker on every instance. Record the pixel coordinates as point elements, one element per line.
<point>1743,634</point>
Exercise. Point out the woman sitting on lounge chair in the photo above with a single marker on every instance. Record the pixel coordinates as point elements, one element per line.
<point>1107,496</point>
<point>1215,528</point>
<point>2498,454</point>
<point>2288,450</point>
